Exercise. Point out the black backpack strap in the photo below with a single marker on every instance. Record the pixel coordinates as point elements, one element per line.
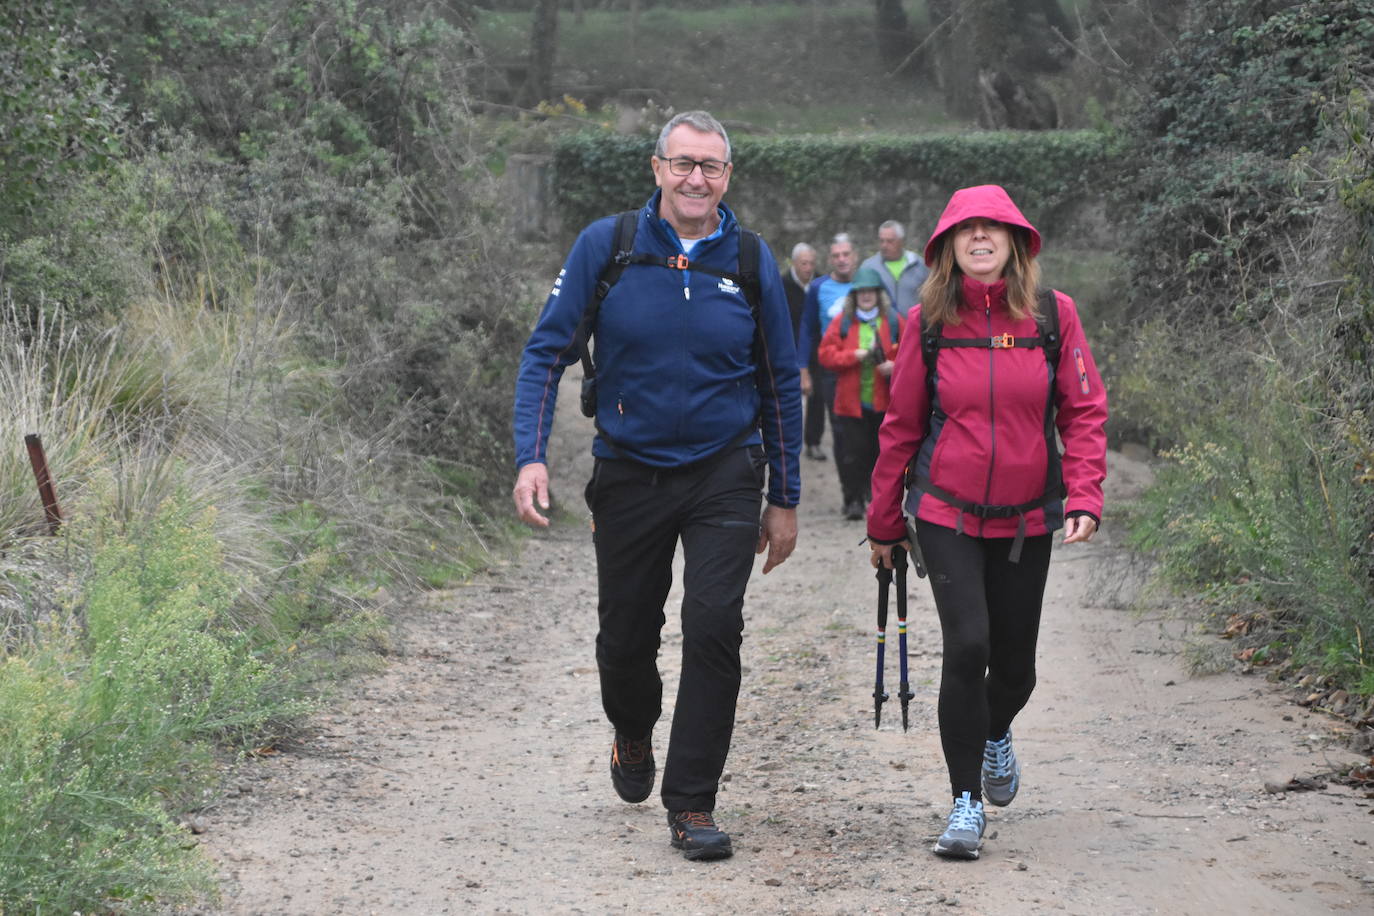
<point>932,339</point>
<point>1047,320</point>
<point>622,255</point>
<point>749,282</point>
<point>749,270</point>
<point>746,276</point>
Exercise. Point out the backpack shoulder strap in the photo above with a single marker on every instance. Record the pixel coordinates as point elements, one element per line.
<point>749,269</point>
<point>746,273</point>
<point>753,290</point>
<point>1048,322</point>
<point>931,337</point>
<point>622,253</point>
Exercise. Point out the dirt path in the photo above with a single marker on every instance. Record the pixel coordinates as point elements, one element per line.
<point>471,776</point>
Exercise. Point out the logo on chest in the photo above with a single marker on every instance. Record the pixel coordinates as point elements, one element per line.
<point>727,285</point>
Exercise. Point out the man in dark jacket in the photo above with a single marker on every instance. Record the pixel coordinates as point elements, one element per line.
<point>795,280</point>
<point>695,398</point>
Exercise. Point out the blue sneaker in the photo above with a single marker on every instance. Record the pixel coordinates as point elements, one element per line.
<point>964,833</point>
<point>1001,772</point>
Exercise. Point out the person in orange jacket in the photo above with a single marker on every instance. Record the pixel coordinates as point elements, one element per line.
<point>970,470</point>
<point>860,346</point>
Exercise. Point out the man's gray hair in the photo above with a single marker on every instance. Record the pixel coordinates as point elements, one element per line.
<point>697,120</point>
<point>801,248</point>
<point>843,238</point>
<point>895,227</point>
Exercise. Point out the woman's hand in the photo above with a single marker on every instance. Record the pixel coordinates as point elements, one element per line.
<point>1079,528</point>
<point>882,553</point>
<point>860,355</point>
<point>886,368</point>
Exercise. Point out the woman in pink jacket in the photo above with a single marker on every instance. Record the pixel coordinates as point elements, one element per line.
<point>969,468</point>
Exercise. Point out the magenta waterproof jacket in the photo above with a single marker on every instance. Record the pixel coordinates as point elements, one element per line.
<point>989,447</point>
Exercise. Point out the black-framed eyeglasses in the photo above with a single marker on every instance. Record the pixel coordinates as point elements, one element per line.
<point>683,166</point>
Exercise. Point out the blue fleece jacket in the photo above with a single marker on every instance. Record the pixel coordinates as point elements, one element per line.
<point>673,349</point>
<point>824,300</point>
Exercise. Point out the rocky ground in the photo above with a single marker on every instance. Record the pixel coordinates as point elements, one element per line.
<point>470,776</point>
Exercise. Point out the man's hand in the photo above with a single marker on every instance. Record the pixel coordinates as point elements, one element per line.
<point>885,368</point>
<point>805,382</point>
<point>777,533</point>
<point>530,486</point>
<point>1079,528</point>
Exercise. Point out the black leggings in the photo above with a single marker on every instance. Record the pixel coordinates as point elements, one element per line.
<point>990,616</point>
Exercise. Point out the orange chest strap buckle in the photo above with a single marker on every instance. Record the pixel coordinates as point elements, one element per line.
<point>678,261</point>
<point>1003,342</point>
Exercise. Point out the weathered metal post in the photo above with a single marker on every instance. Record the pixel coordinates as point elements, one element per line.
<point>45,488</point>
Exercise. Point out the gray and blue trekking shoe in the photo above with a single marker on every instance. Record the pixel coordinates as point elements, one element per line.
<point>1001,772</point>
<point>964,833</point>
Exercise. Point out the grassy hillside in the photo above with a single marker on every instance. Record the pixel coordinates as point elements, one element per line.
<point>790,68</point>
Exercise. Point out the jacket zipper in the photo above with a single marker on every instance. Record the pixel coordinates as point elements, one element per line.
<point>992,415</point>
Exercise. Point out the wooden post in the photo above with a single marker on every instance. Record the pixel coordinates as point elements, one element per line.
<point>45,489</point>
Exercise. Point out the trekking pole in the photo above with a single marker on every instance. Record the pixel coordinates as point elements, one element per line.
<point>903,687</point>
<point>879,695</point>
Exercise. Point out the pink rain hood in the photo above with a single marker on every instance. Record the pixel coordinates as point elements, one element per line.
<point>988,201</point>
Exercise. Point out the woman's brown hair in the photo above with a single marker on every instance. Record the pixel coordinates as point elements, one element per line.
<point>941,293</point>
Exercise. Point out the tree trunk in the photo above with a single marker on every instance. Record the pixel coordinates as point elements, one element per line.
<point>543,51</point>
<point>895,39</point>
<point>953,68</point>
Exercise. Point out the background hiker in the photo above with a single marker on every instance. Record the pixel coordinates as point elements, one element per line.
<point>824,299</point>
<point>859,347</point>
<point>987,486</point>
<point>696,397</point>
<point>902,270</point>
<point>795,279</point>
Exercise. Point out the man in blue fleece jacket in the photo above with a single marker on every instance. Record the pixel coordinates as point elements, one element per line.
<point>695,401</point>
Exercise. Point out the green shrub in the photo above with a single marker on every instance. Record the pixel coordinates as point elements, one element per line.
<point>108,728</point>
<point>59,112</point>
<point>1241,92</point>
<point>1252,289</point>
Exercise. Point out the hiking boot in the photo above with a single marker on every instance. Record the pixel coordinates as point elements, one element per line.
<point>632,768</point>
<point>854,511</point>
<point>696,834</point>
<point>964,833</point>
<point>814,453</point>
<point>1001,772</point>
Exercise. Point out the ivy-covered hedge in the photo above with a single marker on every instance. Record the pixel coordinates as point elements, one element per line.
<point>596,173</point>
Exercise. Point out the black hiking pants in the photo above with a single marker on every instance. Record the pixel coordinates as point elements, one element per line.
<point>989,613</point>
<point>639,515</point>
<point>855,461</point>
